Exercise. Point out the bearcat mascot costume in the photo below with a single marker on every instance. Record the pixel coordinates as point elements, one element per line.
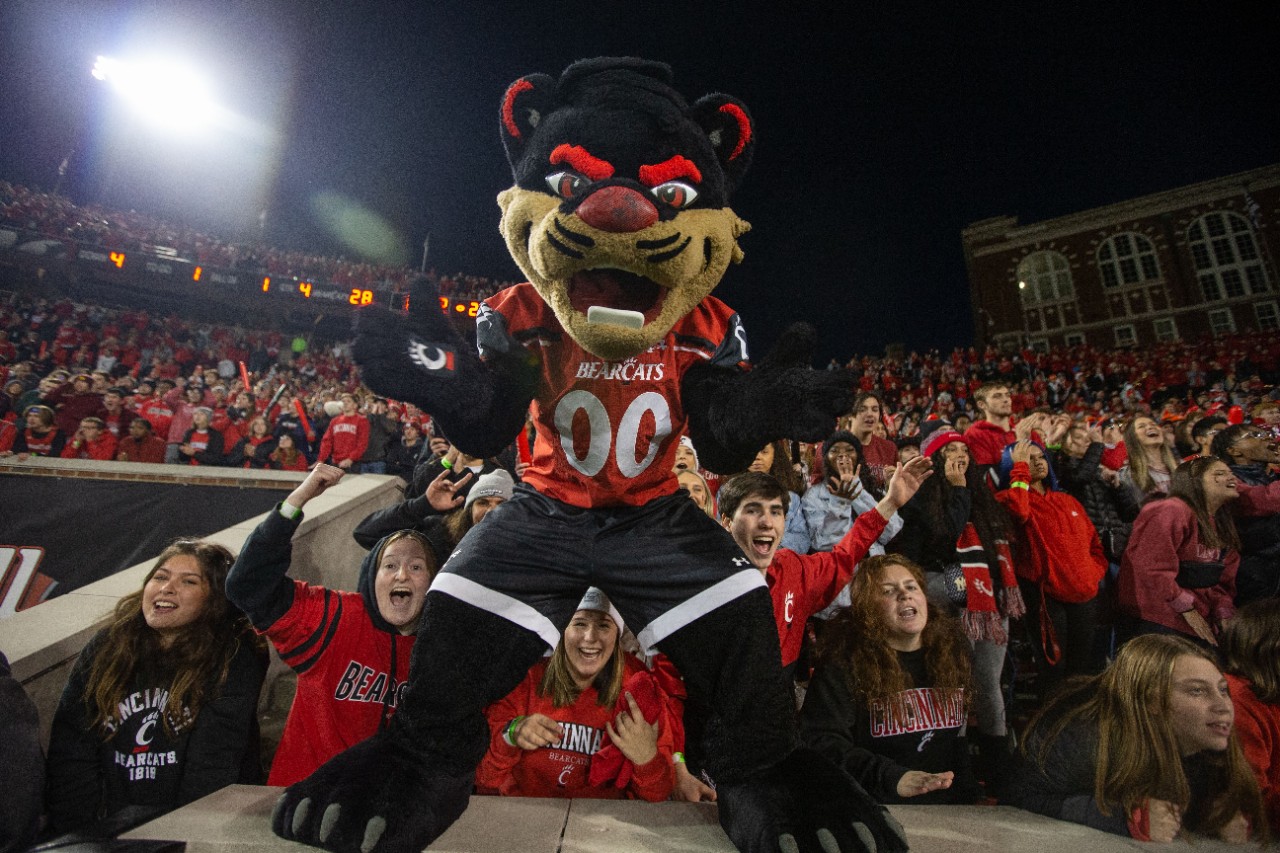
<point>619,217</point>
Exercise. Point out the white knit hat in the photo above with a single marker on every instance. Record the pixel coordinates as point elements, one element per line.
<point>596,600</point>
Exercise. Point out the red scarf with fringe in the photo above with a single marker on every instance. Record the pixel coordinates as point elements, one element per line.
<point>981,616</point>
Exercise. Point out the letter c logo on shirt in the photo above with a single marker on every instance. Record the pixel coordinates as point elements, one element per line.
<point>563,773</point>
<point>143,737</point>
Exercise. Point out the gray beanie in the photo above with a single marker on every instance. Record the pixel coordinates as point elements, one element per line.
<point>495,484</point>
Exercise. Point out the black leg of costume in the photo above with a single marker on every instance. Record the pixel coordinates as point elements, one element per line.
<point>466,659</point>
<point>724,658</point>
<point>400,789</point>
<point>772,795</point>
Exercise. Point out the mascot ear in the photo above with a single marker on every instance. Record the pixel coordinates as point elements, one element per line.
<point>732,133</point>
<point>525,103</point>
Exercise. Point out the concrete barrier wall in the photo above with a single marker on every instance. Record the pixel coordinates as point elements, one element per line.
<point>42,642</point>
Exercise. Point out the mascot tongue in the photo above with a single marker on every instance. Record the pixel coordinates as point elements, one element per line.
<point>629,298</point>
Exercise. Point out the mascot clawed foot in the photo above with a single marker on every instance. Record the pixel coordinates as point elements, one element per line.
<point>374,796</point>
<point>806,804</point>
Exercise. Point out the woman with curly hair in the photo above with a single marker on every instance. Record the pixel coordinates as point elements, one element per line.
<point>1145,749</point>
<point>888,702</point>
<point>957,532</point>
<point>161,706</point>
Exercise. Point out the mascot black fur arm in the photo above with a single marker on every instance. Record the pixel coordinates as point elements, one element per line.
<point>620,219</point>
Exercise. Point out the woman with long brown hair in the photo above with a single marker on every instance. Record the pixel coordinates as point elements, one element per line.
<point>161,706</point>
<point>1179,569</point>
<point>1146,749</point>
<point>889,699</point>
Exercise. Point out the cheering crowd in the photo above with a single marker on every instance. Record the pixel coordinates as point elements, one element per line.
<point>1118,509</point>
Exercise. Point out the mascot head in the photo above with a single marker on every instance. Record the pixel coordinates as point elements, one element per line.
<point>619,215</point>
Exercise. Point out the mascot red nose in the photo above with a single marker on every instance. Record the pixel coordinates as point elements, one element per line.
<point>619,217</point>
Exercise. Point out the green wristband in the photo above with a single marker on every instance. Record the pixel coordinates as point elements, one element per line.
<point>678,758</point>
<point>510,736</point>
<point>446,464</point>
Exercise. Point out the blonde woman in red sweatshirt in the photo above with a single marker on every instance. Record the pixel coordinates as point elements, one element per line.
<point>590,721</point>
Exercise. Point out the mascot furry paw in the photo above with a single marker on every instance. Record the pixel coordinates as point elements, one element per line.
<point>620,219</point>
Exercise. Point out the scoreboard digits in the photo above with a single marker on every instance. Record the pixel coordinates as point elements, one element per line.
<point>113,263</point>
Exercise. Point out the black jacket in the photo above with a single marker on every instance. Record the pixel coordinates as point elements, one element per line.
<point>1111,509</point>
<point>1259,572</point>
<point>141,764</point>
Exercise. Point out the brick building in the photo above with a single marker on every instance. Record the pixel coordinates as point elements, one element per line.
<point>1178,264</point>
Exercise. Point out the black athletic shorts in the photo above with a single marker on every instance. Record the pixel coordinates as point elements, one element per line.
<point>663,564</point>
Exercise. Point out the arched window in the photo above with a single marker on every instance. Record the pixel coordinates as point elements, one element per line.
<point>1127,259</point>
<point>1226,256</point>
<point>1045,276</point>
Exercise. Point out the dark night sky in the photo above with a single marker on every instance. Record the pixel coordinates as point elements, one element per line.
<point>883,129</point>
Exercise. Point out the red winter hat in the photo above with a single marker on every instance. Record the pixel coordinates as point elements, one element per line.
<point>933,439</point>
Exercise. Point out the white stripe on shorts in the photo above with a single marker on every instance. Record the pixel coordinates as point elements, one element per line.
<point>498,604</point>
<point>701,604</point>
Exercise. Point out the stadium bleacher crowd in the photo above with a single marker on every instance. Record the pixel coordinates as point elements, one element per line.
<point>57,217</point>
<point>1092,515</point>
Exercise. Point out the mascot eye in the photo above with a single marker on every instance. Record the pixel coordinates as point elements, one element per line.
<point>675,194</point>
<point>567,184</point>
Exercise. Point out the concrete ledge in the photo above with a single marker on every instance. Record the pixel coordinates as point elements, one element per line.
<point>247,478</point>
<point>237,819</point>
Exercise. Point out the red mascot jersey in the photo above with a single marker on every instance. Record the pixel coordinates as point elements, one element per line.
<point>607,432</point>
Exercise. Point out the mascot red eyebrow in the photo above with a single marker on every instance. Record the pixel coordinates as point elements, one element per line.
<point>619,217</point>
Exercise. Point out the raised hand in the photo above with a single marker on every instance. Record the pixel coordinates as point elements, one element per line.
<point>733,414</point>
<point>322,476</point>
<point>906,481</point>
<point>415,357</point>
<point>1031,423</point>
<point>442,492</point>
<point>1021,451</point>
<point>847,480</point>
<point>420,358</point>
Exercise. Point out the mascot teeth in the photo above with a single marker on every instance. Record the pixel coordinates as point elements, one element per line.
<point>616,316</point>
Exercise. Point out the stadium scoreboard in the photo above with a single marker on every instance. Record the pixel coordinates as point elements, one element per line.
<point>240,285</point>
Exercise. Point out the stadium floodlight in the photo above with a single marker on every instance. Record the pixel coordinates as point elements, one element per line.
<point>165,93</point>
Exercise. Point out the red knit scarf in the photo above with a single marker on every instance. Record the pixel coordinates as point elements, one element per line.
<point>981,615</point>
